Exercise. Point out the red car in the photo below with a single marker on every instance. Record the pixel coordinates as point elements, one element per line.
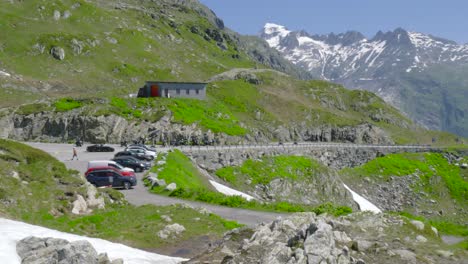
<point>124,173</point>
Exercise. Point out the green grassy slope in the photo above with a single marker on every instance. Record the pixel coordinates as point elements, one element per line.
<point>38,189</point>
<point>441,187</point>
<point>191,184</point>
<point>106,47</point>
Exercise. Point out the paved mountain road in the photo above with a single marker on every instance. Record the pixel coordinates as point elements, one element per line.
<point>139,195</point>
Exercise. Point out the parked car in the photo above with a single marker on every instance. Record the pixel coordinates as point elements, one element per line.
<point>146,164</point>
<point>131,163</point>
<point>150,148</point>
<point>140,156</point>
<point>129,173</point>
<point>107,163</point>
<point>142,153</point>
<point>99,148</point>
<point>111,178</point>
<point>147,152</point>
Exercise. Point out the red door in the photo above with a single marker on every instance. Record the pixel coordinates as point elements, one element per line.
<point>154,90</point>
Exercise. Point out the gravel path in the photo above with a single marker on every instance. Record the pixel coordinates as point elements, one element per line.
<point>139,195</point>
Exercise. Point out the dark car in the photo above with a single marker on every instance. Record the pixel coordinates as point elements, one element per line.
<point>99,148</point>
<point>131,162</point>
<point>133,154</point>
<point>101,178</point>
<point>146,164</point>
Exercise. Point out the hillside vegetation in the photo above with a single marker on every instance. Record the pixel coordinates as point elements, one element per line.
<point>95,53</point>
<point>111,46</point>
<point>274,101</point>
<point>193,185</point>
<point>38,189</point>
<point>417,185</point>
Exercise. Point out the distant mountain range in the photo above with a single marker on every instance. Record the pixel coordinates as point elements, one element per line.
<point>423,75</point>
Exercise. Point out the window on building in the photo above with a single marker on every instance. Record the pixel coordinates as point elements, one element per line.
<point>177,91</point>
<point>187,91</point>
<point>197,91</point>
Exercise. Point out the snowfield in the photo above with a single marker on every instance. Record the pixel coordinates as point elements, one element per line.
<point>228,191</point>
<point>13,231</point>
<point>364,204</point>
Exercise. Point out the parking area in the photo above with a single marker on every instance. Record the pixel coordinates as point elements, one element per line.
<point>64,153</point>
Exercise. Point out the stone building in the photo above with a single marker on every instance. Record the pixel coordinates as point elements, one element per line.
<point>173,90</point>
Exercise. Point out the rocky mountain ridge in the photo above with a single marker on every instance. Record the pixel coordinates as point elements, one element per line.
<point>410,70</point>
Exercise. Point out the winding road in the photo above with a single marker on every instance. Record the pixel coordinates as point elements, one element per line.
<point>139,195</point>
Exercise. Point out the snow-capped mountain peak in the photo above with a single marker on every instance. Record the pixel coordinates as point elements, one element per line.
<point>397,65</point>
<point>341,56</point>
<point>273,34</point>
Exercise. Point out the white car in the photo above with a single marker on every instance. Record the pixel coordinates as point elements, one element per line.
<point>143,150</point>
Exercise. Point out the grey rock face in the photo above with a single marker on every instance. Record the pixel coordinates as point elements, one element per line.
<point>60,127</point>
<point>58,53</point>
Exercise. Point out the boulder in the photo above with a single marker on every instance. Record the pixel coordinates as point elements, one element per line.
<point>421,239</point>
<point>171,187</point>
<point>77,46</point>
<point>171,231</point>
<point>66,14</point>
<point>58,53</point>
<point>34,250</point>
<point>418,224</point>
<point>319,245</point>
<point>80,206</point>
<point>91,199</point>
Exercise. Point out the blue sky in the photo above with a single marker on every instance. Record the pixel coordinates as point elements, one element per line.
<point>442,18</point>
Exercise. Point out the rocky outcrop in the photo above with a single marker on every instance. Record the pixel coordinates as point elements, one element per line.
<point>172,230</point>
<point>307,238</point>
<point>34,250</point>
<point>93,200</point>
<point>58,53</point>
<point>67,126</point>
<point>336,158</point>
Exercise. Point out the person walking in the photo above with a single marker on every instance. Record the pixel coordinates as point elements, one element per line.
<point>75,154</point>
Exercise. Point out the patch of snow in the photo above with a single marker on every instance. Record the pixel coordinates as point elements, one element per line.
<point>13,231</point>
<point>364,204</point>
<point>377,50</point>
<point>229,191</point>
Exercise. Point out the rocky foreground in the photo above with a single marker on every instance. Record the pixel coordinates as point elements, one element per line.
<point>360,238</point>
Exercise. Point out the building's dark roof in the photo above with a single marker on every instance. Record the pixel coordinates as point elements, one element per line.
<point>177,82</point>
